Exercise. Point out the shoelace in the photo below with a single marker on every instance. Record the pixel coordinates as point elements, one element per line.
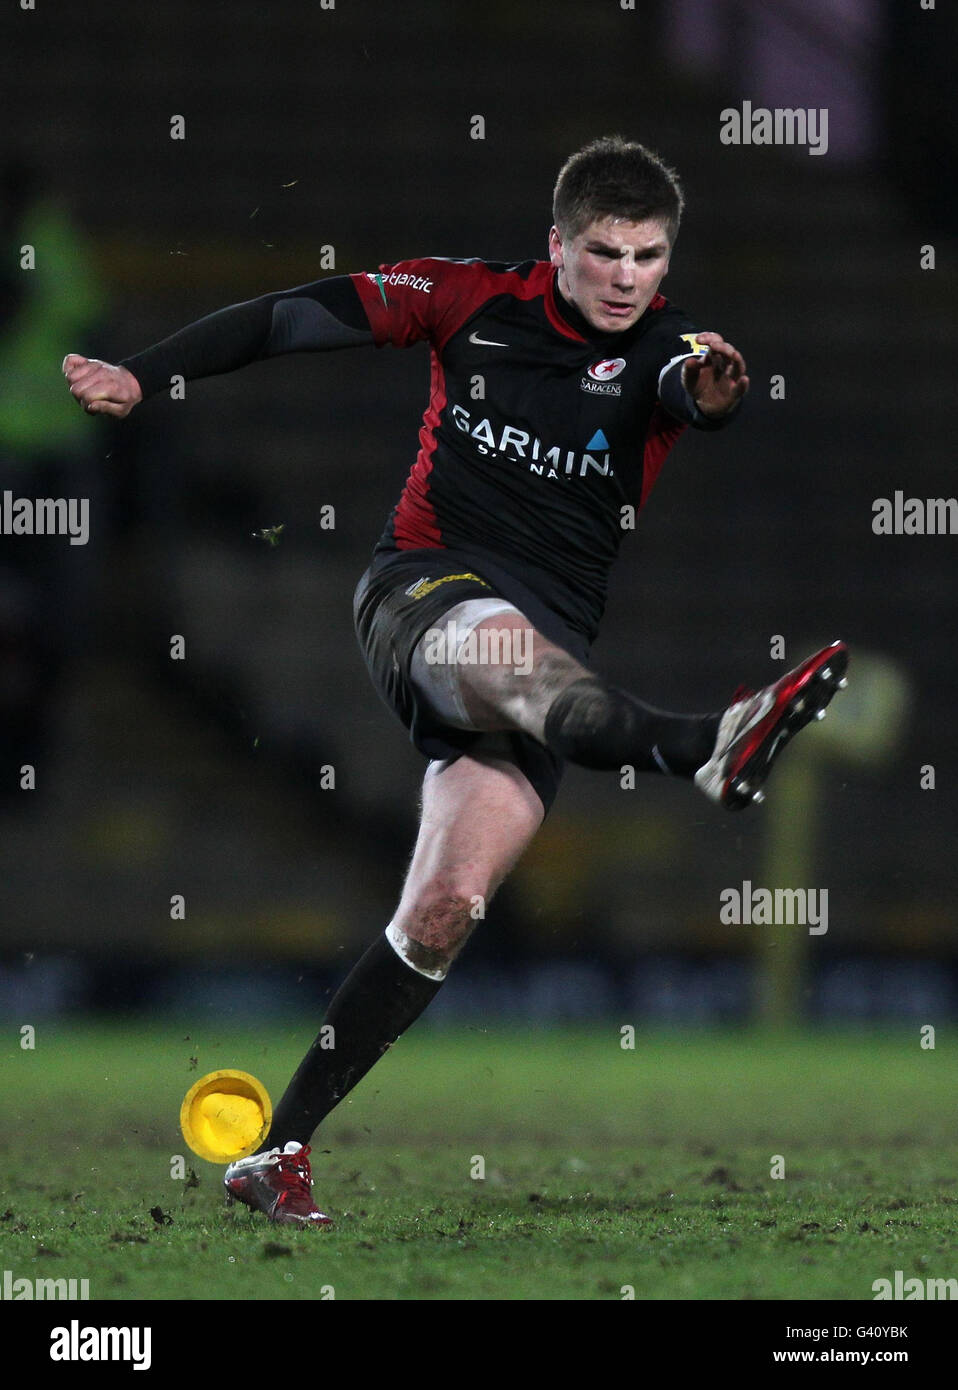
<point>295,1174</point>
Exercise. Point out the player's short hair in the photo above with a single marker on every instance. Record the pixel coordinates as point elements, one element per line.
<point>614,177</point>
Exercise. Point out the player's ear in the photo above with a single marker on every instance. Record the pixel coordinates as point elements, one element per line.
<point>555,247</point>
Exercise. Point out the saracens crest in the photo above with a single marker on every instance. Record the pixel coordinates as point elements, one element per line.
<point>598,380</point>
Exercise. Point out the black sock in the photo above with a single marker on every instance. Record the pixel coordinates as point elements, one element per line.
<point>598,725</point>
<point>377,1001</point>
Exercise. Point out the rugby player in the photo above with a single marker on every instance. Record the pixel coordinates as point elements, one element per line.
<point>558,388</point>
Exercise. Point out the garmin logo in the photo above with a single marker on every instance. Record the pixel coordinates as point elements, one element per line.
<point>783,125</point>
<point>76,1343</point>
<point>518,446</point>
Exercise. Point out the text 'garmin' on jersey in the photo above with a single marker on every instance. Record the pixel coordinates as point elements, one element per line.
<point>546,462</point>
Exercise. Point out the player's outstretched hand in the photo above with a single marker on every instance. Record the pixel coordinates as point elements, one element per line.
<point>100,388</point>
<point>717,381</point>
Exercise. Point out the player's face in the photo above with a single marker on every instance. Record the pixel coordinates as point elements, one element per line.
<point>611,270</point>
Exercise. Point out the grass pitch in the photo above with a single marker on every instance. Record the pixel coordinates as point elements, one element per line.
<point>604,1168</point>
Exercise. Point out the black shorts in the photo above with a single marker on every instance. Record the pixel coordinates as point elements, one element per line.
<point>405,592</point>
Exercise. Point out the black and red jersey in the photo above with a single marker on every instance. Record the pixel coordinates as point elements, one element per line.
<point>542,437</point>
<point>540,433</point>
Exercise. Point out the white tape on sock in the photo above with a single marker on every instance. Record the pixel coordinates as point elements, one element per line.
<point>401,944</point>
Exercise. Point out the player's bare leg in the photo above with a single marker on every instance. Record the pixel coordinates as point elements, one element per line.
<point>499,672</point>
<point>478,816</point>
<point>528,683</point>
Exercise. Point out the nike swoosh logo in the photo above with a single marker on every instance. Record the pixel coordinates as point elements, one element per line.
<point>485,342</point>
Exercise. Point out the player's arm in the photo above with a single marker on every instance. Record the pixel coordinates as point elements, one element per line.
<point>318,317</point>
<point>704,389</point>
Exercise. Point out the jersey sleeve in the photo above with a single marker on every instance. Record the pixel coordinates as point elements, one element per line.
<point>413,301</point>
<point>317,317</point>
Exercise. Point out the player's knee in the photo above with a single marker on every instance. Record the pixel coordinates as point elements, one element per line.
<point>434,927</point>
<point>444,916</point>
<point>555,670</point>
<point>529,698</point>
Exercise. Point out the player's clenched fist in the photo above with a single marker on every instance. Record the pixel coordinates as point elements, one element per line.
<point>100,388</point>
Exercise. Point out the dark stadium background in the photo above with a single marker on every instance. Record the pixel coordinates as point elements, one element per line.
<point>350,128</point>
